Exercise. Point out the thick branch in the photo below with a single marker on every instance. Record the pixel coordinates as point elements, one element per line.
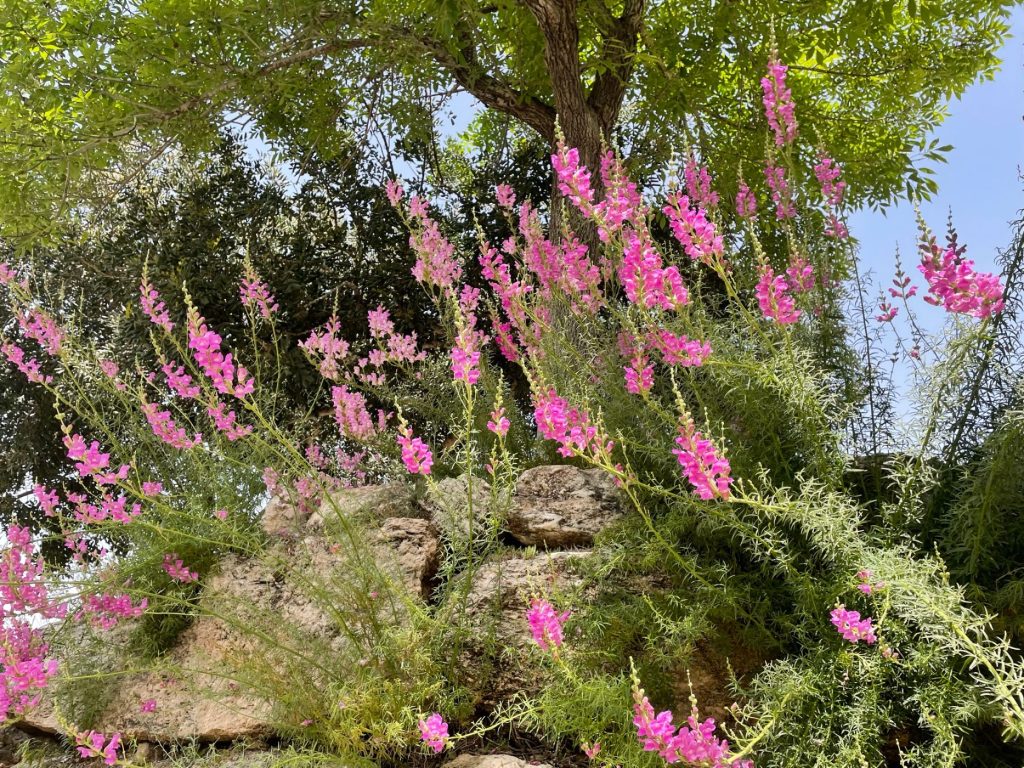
<point>492,92</point>
<point>619,48</point>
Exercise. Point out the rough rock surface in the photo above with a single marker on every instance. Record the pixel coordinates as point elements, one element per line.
<point>562,506</point>
<point>448,505</point>
<point>492,761</point>
<point>496,608</point>
<point>369,502</point>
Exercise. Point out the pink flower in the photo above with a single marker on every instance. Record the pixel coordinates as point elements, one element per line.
<point>773,297</point>
<point>778,103</point>
<point>163,426</point>
<point>226,422</point>
<point>351,415</point>
<point>42,328</point>
<point>466,358</point>
<point>106,610</point>
<point>746,203</point>
<point>693,230</point>
<point>850,625</point>
<point>435,255</point>
<point>256,295</point>
<point>89,459</point>
<point>827,172</point>
<point>153,307</point>
<point>220,514</point>
<point>693,744</point>
<point>888,312</point>
<point>499,423</point>
<point>800,273</point>
<point>592,751</point>
<point>152,488</point>
<point>698,184</point>
<point>953,283</point>
<point>545,624</point>
<point>328,346</point>
<point>646,282</point>
<point>781,194</point>
<point>218,367</point>
<point>639,375</point>
<point>434,732</point>
<point>176,569</point>
<point>415,453</point>
<point>706,470</point>
<point>48,500</point>
<point>149,705</point>
<point>573,177</point>
<point>179,381</point>
<point>394,191</point>
<point>29,368</point>
<point>380,323</point>
<point>94,744</point>
<point>571,428</point>
<point>679,350</point>
<point>506,196</point>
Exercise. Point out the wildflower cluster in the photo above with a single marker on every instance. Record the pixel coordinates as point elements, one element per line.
<point>694,743</point>
<point>852,627</point>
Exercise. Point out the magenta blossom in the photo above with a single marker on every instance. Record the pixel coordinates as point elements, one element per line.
<point>707,471</point>
<point>778,103</point>
<point>415,453</point>
<point>434,732</point>
<point>852,627</point>
<point>546,624</point>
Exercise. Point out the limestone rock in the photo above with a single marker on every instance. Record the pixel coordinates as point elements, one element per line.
<point>449,508</point>
<point>282,518</point>
<point>496,607</point>
<point>562,506</point>
<point>369,502</point>
<point>413,546</point>
<point>492,761</point>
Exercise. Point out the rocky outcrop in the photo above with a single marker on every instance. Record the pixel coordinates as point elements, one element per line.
<point>319,559</point>
<point>496,607</point>
<point>563,506</point>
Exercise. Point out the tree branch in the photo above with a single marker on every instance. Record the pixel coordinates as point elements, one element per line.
<point>618,51</point>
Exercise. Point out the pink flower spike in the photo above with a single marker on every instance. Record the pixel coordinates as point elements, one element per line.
<point>545,624</point>
<point>774,298</point>
<point>255,294</point>
<point>434,732</point>
<point>153,307</point>
<point>394,191</point>
<point>707,471</point>
<point>506,196</point>
<point>152,489</point>
<point>499,423</point>
<point>746,203</point>
<point>778,103</point>
<point>415,453</point>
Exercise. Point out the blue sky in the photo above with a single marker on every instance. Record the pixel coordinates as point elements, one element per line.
<point>980,183</point>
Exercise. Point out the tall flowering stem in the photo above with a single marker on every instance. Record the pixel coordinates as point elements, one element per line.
<point>778,103</point>
<point>705,468</point>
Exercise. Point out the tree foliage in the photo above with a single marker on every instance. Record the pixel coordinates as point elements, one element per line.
<point>91,91</point>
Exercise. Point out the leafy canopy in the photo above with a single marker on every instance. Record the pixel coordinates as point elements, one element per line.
<point>91,90</point>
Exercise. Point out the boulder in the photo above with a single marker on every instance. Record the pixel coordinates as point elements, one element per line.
<point>562,506</point>
<point>368,503</point>
<point>492,761</point>
<point>412,547</point>
<point>448,506</point>
<point>495,612</point>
